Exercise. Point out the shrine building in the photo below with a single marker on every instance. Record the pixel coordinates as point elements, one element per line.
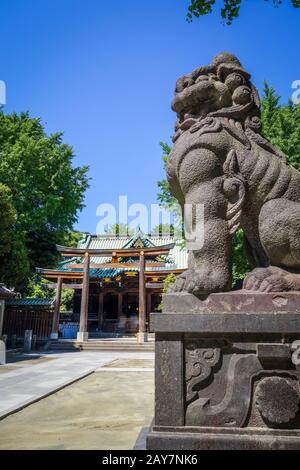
<point>118,281</point>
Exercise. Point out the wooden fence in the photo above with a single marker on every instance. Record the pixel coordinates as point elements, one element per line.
<point>17,319</point>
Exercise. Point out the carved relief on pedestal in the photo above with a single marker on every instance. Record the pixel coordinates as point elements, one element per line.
<point>230,386</point>
<point>200,361</point>
<point>277,399</point>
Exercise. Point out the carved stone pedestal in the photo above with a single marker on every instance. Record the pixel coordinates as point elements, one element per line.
<point>226,377</point>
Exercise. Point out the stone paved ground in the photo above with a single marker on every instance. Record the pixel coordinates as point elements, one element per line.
<point>105,410</point>
<point>31,377</point>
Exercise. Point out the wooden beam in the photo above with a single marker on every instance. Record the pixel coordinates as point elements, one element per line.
<point>55,273</point>
<point>163,272</point>
<point>57,302</point>
<point>85,296</point>
<point>64,286</point>
<point>142,295</point>
<point>122,252</point>
<point>154,285</point>
<point>120,304</point>
<point>100,312</point>
<point>148,302</point>
<point>114,265</point>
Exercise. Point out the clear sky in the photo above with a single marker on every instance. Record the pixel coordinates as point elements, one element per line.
<point>103,72</point>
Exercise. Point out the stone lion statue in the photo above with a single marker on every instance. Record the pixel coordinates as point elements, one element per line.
<point>221,160</point>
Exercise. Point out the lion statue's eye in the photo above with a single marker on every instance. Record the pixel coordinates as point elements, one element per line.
<point>183,83</point>
<point>242,95</point>
<point>202,78</point>
<point>188,82</point>
<point>234,80</point>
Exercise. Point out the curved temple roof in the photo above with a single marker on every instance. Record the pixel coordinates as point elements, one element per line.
<point>162,254</point>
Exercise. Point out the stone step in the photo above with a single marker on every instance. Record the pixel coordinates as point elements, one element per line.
<point>101,346</point>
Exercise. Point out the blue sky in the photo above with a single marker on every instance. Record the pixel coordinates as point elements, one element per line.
<point>104,71</point>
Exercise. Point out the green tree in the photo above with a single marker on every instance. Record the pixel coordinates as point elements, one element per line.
<point>67,296</point>
<point>119,229</point>
<point>163,229</point>
<point>47,191</point>
<point>166,200</point>
<point>281,124</point>
<point>7,220</point>
<point>229,10</point>
<point>71,238</point>
<point>240,265</point>
<point>168,281</point>
<point>14,265</point>
<point>38,288</point>
<point>164,197</point>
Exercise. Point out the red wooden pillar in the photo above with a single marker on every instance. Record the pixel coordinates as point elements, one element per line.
<point>120,304</point>
<point>148,307</point>
<point>57,302</point>
<point>142,335</point>
<point>100,312</point>
<point>82,335</point>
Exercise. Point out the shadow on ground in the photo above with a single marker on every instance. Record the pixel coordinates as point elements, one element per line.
<point>103,411</point>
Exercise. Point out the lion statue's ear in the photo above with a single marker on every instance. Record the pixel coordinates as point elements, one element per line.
<point>234,190</point>
<point>255,96</point>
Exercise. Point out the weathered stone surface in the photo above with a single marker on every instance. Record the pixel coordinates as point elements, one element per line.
<point>277,399</point>
<point>233,302</point>
<point>240,387</point>
<point>27,341</point>
<point>230,377</point>
<point>221,160</point>
<point>2,352</point>
<point>220,440</point>
<point>229,323</point>
<point>169,380</point>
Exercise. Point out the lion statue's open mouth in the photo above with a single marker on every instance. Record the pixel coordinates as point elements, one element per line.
<point>221,85</point>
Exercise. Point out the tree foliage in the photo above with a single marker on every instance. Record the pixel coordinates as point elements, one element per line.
<point>47,191</point>
<point>161,229</point>
<point>14,264</point>
<point>7,220</point>
<point>229,11</point>
<point>164,197</point>
<point>168,281</point>
<point>38,288</point>
<point>120,230</point>
<point>281,124</point>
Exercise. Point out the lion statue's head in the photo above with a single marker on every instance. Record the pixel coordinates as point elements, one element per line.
<point>222,88</point>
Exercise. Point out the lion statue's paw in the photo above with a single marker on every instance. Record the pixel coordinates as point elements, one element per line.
<point>271,279</point>
<point>197,282</point>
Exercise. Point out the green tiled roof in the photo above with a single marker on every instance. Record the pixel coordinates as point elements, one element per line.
<point>139,236</point>
<point>30,302</point>
<point>100,273</point>
<point>177,255</point>
<point>177,258</point>
<point>109,272</point>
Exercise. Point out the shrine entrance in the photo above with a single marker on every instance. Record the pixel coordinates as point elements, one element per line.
<point>131,304</point>
<point>110,306</point>
<point>115,289</point>
<point>130,309</point>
